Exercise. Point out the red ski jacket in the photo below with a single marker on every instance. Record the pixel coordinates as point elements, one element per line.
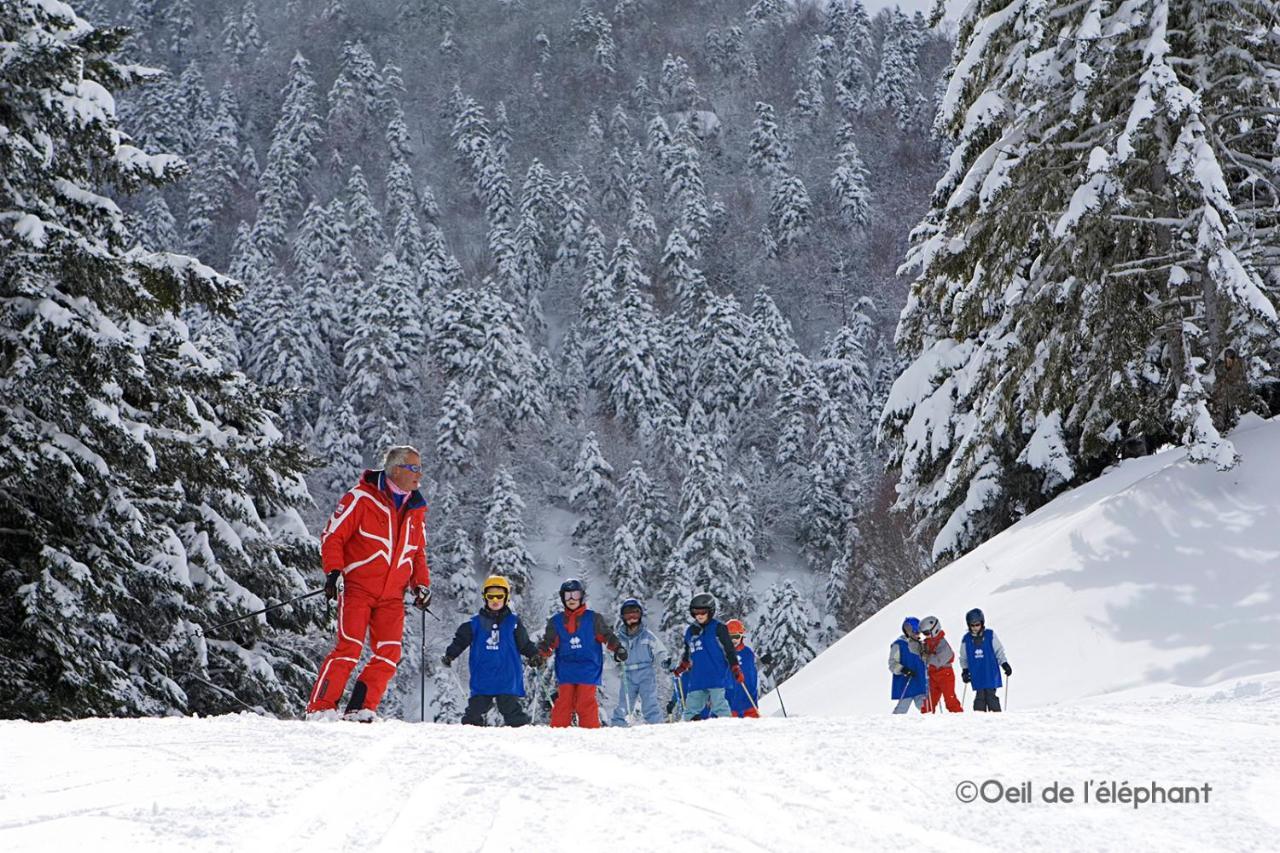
<point>379,549</point>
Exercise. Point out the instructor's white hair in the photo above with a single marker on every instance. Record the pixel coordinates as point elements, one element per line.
<point>397,454</point>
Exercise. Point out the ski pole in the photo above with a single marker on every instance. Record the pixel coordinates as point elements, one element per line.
<point>1008,679</point>
<point>422,673</point>
<point>778,691</point>
<point>267,608</point>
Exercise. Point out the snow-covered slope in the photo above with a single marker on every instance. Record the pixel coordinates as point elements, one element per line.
<point>1160,572</point>
<point>887,783</point>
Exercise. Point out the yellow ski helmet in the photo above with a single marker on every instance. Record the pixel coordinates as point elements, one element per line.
<point>496,581</point>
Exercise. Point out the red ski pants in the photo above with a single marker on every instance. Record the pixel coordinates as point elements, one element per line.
<point>360,613</point>
<point>577,699</point>
<point>942,685</point>
<point>750,712</point>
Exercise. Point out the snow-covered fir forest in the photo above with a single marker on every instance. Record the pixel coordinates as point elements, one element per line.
<point>709,285</point>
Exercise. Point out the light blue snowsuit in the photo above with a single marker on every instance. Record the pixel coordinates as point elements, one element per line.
<point>640,674</point>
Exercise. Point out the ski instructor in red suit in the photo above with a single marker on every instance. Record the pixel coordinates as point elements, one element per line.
<point>372,550</point>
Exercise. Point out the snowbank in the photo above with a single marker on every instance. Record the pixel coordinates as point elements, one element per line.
<point>804,784</point>
<point>1160,572</point>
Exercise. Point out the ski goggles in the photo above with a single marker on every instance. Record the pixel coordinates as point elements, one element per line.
<point>495,596</point>
<point>736,637</point>
<point>700,611</point>
<point>417,469</point>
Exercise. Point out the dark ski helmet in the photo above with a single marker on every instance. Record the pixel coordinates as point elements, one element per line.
<point>975,617</point>
<point>929,625</point>
<point>703,601</point>
<point>572,585</point>
<point>630,603</point>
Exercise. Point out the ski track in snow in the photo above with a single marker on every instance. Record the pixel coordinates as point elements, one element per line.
<point>803,784</point>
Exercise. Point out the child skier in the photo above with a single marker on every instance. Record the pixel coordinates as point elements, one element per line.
<point>981,659</point>
<point>639,674</point>
<point>497,639</point>
<point>575,637</point>
<point>744,697</point>
<point>709,658</point>
<point>937,657</point>
<point>907,668</point>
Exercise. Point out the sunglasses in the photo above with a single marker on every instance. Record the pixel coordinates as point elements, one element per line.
<point>495,596</point>
<point>417,469</point>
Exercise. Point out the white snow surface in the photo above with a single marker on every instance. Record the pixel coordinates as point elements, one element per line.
<point>801,784</point>
<point>1159,574</point>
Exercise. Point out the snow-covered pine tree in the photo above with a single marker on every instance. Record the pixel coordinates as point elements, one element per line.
<point>337,441</point>
<point>291,155</point>
<point>686,285</point>
<point>626,569</point>
<point>721,345</point>
<point>1092,248</point>
<point>147,491</point>
<point>643,508</point>
<point>630,366</point>
<point>368,238</point>
<point>215,174</point>
<point>708,541</point>
<point>373,362</point>
<point>791,212</point>
<point>458,556</point>
<point>853,81</point>
<point>592,494</point>
<point>355,99</point>
<point>768,154</point>
<point>456,439</point>
<point>849,183</point>
<point>503,544</point>
<point>770,343</point>
<point>783,632</point>
<point>895,85</point>
<point>835,589</point>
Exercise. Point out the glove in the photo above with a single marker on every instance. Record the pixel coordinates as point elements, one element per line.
<point>331,584</point>
<point>421,596</point>
<point>1008,670</point>
<point>907,672</point>
<point>681,668</point>
<point>964,676</point>
<point>666,663</point>
<point>620,654</point>
<point>737,674</point>
<point>671,706</point>
<point>446,660</point>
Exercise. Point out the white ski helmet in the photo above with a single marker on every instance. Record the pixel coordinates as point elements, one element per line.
<point>929,625</point>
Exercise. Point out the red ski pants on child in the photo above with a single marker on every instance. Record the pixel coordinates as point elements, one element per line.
<point>942,685</point>
<point>359,613</point>
<point>577,699</point>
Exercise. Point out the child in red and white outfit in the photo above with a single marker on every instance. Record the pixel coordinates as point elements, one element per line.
<point>938,656</point>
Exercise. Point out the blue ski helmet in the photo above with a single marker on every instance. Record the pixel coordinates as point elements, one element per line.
<point>975,617</point>
<point>629,603</point>
<point>913,623</point>
<point>572,585</point>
